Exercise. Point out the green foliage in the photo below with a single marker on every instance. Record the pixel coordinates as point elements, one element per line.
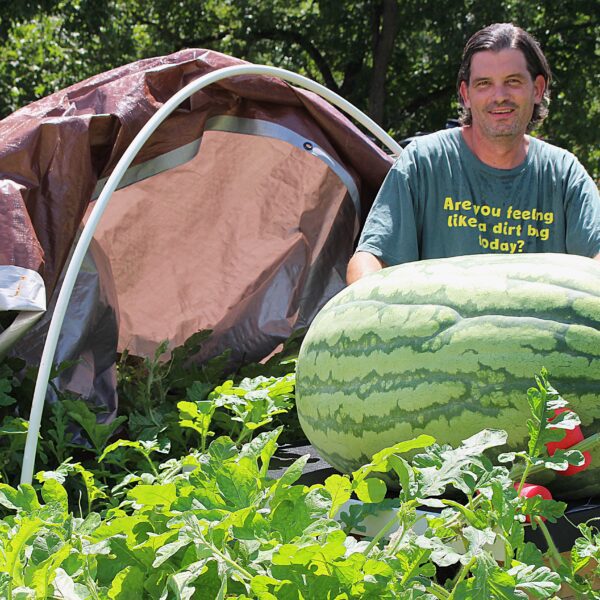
<point>215,524</point>
<point>254,402</point>
<point>211,522</point>
<point>49,45</point>
<point>13,428</point>
<point>150,388</point>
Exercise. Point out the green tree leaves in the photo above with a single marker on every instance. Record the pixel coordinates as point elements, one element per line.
<point>397,61</point>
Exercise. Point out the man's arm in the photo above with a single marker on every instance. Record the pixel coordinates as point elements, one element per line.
<point>361,264</point>
<point>597,257</point>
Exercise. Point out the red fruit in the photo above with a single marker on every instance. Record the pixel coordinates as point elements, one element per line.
<point>572,437</point>
<point>529,490</point>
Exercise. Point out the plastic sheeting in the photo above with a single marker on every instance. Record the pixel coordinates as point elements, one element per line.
<point>239,214</point>
<point>249,275</point>
<point>88,338</point>
<point>22,292</point>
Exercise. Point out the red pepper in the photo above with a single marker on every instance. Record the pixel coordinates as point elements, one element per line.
<point>529,490</point>
<point>572,437</point>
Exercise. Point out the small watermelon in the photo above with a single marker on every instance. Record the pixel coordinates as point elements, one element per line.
<point>448,347</point>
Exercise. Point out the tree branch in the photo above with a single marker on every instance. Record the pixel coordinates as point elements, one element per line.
<point>385,36</point>
<point>295,37</point>
<point>201,42</point>
<point>424,100</point>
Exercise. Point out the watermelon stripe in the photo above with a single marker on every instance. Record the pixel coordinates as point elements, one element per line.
<point>574,310</point>
<point>463,352</point>
<point>448,347</point>
<point>405,400</point>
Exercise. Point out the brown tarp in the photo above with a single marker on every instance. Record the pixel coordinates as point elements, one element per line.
<point>248,237</point>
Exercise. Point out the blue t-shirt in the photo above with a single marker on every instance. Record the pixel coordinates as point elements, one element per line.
<point>439,200</point>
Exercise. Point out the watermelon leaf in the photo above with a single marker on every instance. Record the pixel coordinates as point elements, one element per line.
<point>546,425</point>
<point>442,554</point>
<point>379,462</point>
<point>340,489</point>
<point>462,467</point>
<point>414,562</point>
<point>409,488</point>
<point>22,498</point>
<point>548,509</point>
<point>5,387</point>
<point>371,490</point>
<point>560,461</point>
<point>538,582</point>
<point>586,548</point>
<point>488,581</point>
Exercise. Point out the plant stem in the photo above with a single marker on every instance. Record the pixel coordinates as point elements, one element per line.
<point>458,515</point>
<point>383,531</point>
<point>196,527</point>
<point>154,470</point>
<point>553,552</point>
<point>526,472</point>
<point>405,511</point>
<point>397,542</point>
<point>508,552</point>
<point>230,561</point>
<point>438,591</point>
<point>91,584</point>
<point>243,435</point>
<point>152,418</point>
<point>463,573</point>
<point>415,567</point>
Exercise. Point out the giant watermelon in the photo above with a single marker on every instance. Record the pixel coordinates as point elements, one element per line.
<point>448,347</point>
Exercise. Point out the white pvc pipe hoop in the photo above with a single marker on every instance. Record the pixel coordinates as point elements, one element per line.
<point>112,183</point>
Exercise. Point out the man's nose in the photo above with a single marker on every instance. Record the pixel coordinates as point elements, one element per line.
<point>500,92</point>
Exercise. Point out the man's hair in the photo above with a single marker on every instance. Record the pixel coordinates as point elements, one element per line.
<point>502,36</point>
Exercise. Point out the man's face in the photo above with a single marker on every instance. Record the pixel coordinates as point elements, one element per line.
<point>501,93</point>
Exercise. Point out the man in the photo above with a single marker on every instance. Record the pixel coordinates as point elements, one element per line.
<point>486,186</point>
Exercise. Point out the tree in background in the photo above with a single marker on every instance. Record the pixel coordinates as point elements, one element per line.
<point>395,60</point>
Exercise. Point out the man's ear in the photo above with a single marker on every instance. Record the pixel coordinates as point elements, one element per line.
<point>539,85</point>
<point>464,94</point>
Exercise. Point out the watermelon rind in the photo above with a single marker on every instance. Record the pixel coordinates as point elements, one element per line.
<point>448,347</point>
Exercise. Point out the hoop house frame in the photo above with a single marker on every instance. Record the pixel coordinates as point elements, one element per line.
<point>113,183</point>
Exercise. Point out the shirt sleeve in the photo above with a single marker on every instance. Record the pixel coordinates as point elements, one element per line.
<point>390,231</point>
<point>582,207</point>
